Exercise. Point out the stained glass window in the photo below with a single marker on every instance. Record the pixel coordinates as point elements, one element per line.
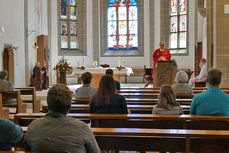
<point>178,25</point>
<point>68,24</point>
<point>122,24</point>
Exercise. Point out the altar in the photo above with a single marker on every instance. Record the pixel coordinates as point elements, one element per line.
<point>97,74</point>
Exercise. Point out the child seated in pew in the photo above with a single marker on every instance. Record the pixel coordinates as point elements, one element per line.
<point>106,101</point>
<point>10,134</point>
<point>166,103</point>
<point>86,91</point>
<point>6,85</point>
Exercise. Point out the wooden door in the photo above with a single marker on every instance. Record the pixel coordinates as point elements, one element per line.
<point>6,60</point>
<point>8,63</point>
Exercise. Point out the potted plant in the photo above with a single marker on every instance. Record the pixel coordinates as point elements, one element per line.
<point>62,67</point>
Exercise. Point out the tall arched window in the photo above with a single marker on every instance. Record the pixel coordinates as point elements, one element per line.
<point>72,27</point>
<point>122,24</point>
<point>178,26</point>
<point>68,24</point>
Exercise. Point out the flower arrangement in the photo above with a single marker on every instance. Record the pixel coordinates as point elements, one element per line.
<point>63,65</point>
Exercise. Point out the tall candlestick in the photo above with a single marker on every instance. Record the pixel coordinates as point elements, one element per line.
<point>119,62</point>
<point>83,61</point>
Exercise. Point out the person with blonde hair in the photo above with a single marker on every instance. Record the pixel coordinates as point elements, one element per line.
<point>167,102</point>
<point>181,86</point>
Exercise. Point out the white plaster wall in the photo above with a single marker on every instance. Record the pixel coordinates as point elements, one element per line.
<point>33,25</point>
<point>13,21</point>
<point>200,28</point>
<point>157,24</point>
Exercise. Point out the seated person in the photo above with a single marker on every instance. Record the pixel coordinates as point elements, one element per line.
<point>181,87</point>
<point>42,70</point>
<point>117,84</point>
<point>38,65</point>
<point>203,73</point>
<point>6,85</point>
<point>212,101</point>
<point>106,101</point>
<point>167,102</point>
<point>10,134</point>
<point>86,91</point>
<point>56,132</point>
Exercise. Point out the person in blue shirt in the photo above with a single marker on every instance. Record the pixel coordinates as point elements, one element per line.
<point>10,134</point>
<point>213,101</point>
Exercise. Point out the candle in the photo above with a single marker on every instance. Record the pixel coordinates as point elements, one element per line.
<point>83,61</point>
<point>119,61</point>
<point>124,63</point>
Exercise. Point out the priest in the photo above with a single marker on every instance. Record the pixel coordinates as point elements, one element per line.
<point>161,54</point>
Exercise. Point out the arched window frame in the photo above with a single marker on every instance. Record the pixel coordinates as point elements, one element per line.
<point>178,50</point>
<point>105,51</point>
<point>80,31</point>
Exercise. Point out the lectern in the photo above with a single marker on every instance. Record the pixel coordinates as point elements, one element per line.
<point>164,73</point>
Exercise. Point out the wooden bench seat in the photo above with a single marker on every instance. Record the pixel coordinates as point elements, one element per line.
<point>142,120</point>
<point>135,109</point>
<point>140,95</point>
<point>136,101</point>
<point>14,94</point>
<point>173,140</point>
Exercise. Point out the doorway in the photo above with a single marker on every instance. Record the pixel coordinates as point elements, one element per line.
<point>8,63</point>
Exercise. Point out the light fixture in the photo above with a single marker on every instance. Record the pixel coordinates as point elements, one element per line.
<point>35,46</point>
<point>2,29</point>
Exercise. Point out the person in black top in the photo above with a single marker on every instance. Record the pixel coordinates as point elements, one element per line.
<point>117,84</point>
<point>105,100</point>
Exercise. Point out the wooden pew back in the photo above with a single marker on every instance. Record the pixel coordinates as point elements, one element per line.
<point>14,94</point>
<point>4,112</point>
<point>31,91</point>
<point>144,121</point>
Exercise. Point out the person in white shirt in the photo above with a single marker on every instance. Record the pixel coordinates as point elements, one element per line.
<point>203,73</point>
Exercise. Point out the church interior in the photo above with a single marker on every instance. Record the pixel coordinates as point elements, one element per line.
<point>147,44</point>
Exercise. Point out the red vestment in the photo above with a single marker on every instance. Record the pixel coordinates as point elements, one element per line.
<point>158,53</point>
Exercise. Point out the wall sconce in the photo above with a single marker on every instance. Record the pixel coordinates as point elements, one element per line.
<point>14,48</point>
<point>35,46</point>
<point>2,29</point>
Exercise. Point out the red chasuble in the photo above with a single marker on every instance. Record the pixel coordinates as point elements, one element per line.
<point>157,54</point>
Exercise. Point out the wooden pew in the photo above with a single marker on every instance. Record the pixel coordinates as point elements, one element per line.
<point>162,140</point>
<point>4,112</point>
<point>80,101</point>
<point>31,91</point>
<point>140,95</point>
<point>136,101</point>
<point>135,109</point>
<point>14,94</point>
<point>173,140</point>
<point>141,121</point>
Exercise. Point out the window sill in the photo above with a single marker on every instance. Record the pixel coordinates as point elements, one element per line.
<point>179,52</point>
<point>122,53</point>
